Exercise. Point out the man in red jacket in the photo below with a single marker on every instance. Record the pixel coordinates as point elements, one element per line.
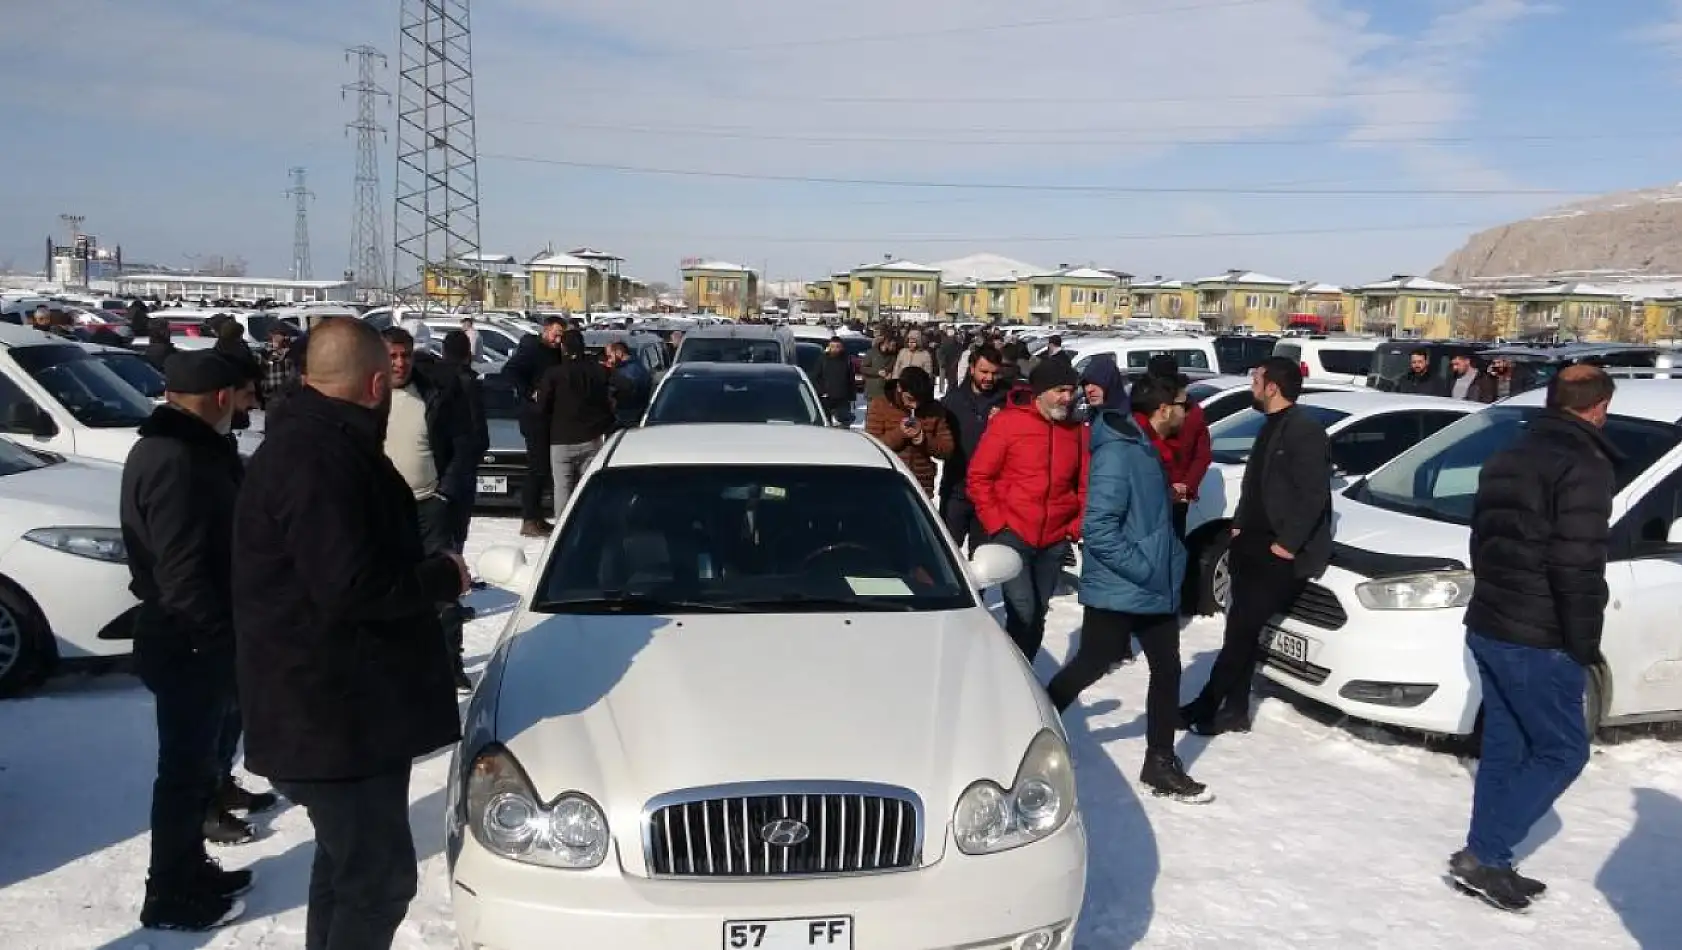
<point>1189,456</point>
<point>1028,484</point>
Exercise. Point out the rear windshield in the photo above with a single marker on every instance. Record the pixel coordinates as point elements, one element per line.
<point>1187,358</point>
<point>1346,362</point>
<point>727,350</point>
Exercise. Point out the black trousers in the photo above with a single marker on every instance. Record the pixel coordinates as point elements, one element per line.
<point>538,475</point>
<point>959,514</point>
<point>1105,640</point>
<point>193,696</point>
<point>364,873</point>
<point>1263,586</point>
<point>439,528</point>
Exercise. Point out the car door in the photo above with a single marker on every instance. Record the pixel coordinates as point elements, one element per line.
<point>1642,639</point>
<point>1359,448</point>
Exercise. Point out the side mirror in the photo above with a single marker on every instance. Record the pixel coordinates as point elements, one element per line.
<point>505,567</point>
<point>993,564</point>
<point>1675,534</point>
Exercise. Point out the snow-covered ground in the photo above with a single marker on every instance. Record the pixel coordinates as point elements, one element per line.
<point>1321,836</point>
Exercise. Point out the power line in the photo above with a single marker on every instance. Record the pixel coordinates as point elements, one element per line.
<point>1016,186</point>
<point>877,239</point>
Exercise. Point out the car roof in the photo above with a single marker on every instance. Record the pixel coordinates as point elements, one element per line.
<point>1331,342</point>
<point>745,444</point>
<point>602,337</point>
<point>731,331</point>
<point>1367,401</point>
<point>1221,382</point>
<point>13,335</point>
<point>1657,400</point>
<point>735,369</point>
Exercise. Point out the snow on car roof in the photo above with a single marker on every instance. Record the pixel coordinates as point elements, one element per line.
<point>13,335</point>
<point>1656,400</point>
<point>745,444</point>
<point>1362,402</point>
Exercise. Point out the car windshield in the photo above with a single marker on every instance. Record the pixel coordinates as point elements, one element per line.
<point>84,386</point>
<point>730,350</point>
<point>1187,359</point>
<point>750,538</point>
<point>500,399</point>
<point>725,398</point>
<point>14,459</point>
<point>1231,439</point>
<point>1438,478</point>
<point>134,370</point>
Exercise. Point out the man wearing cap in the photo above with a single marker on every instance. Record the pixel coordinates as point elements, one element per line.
<point>1027,482</point>
<point>178,492</point>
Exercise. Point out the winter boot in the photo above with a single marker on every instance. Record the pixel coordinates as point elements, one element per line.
<point>189,908</point>
<point>1166,777</point>
<point>536,529</point>
<point>1497,887</point>
<point>1528,886</point>
<point>223,829</point>
<point>232,797</point>
<point>212,879</point>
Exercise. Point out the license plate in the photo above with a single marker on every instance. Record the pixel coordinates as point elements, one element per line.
<point>1288,645</point>
<point>493,484</point>
<point>793,933</point>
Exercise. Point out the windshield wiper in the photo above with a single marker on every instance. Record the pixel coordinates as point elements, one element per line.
<point>797,603</point>
<point>631,603</point>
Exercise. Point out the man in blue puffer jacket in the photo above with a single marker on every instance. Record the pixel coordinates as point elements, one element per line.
<point>1131,573</point>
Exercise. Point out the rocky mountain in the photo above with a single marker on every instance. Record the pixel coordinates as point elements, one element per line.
<point>1629,232</point>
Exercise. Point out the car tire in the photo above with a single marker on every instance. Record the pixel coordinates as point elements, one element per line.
<point>26,645</point>
<point>1214,573</point>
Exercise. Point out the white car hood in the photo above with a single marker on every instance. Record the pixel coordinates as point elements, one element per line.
<point>1390,532</point>
<point>73,493</point>
<point>106,445</point>
<point>625,708</point>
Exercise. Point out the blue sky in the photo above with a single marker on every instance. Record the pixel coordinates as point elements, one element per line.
<point>170,124</point>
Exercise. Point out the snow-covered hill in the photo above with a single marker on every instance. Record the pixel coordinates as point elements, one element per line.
<point>1626,232</point>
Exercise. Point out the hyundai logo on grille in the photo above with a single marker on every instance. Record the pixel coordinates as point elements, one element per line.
<point>784,832</point>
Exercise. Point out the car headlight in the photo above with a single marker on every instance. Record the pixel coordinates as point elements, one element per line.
<point>508,820</point>
<point>1433,590</point>
<point>100,544</point>
<point>990,819</point>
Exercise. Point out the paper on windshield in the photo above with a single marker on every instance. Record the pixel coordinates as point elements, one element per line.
<point>878,587</point>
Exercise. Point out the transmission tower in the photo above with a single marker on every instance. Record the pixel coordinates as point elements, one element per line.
<point>437,220</point>
<point>300,195</point>
<point>367,231</point>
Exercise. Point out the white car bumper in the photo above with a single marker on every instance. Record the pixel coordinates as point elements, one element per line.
<point>971,902</point>
<point>79,596</point>
<point>1415,662</point>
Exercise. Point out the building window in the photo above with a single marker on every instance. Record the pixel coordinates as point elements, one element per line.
<point>1252,301</point>
<point>1077,295</point>
<point>1099,297</point>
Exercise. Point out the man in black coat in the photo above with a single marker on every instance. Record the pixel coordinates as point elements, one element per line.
<point>178,495</point>
<point>969,406</point>
<point>837,387</point>
<point>430,438</point>
<point>532,360</point>
<point>343,677</point>
<point>575,402</point>
<point>1539,538</point>
<point>458,364</point>
<point>1281,537</point>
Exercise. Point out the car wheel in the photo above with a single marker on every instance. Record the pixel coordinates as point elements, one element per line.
<point>26,646</point>
<point>1214,573</point>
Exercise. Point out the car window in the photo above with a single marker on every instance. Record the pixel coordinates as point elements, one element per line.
<point>750,538</point>
<point>500,398</point>
<point>1646,525</point>
<point>1187,358</point>
<point>719,398</point>
<point>11,397</point>
<point>135,371</point>
<point>1438,478</point>
<point>15,459</point>
<point>1224,403</point>
<point>1363,446</point>
<point>1346,362</point>
<point>89,391</point>
<point>1231,439</point>
<point>724,350</point>
<point>1290,351</point>
<point>497,343</point>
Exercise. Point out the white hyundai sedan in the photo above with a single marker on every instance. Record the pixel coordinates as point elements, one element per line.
<point>751,698</point>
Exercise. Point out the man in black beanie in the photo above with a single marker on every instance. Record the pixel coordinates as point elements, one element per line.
<point>179,488</point>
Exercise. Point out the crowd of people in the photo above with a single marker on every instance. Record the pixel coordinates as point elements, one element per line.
<point>308,601</point>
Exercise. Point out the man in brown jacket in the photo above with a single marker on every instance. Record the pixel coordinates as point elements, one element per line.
<point>912,425</point>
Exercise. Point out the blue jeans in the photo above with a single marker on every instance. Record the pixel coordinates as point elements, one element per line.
<point>1028,595</point>
<point>1535,742</point>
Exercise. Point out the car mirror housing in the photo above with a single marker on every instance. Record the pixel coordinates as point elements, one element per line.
<point>504,567</point>
<point>1675,534</point>
<point>993,564</point>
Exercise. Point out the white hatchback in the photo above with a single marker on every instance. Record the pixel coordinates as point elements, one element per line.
<point>751,697</point>
<point>1380,636</point>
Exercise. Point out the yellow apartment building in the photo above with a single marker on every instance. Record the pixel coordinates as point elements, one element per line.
<point>895,288</point>
<point>1242,298</point>
<point>1084,296</point>
<point>1319,307</point>
<point>721,288</point>
<point>1571,311</point>
<point>1409,306</point>
<point>1158,299</point>
<point>565,283</point>
<point>961,302</point>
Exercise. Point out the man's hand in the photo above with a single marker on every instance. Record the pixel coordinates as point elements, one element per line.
<point>461,568</point>
<point>992,412</point>
<point>1235,532</point>
<point>1182,491</point>
<point>1282,554</point>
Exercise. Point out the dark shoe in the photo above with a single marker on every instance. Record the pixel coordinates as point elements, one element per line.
<point>468,612</point>
<point>536,529</point>
<point>1220,724</point>
<point>214,880</point>
<point>1496,887</point>
<point>1166,777</point>
<point>192,911</point>
<point>233,797</point>
<point>224,829</point>
<point>1069,557</point>
<point>1528,886</point>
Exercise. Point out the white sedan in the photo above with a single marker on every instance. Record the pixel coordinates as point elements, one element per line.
<point>751,698</point>
<point>63,571</point>
<point>1365,428</point>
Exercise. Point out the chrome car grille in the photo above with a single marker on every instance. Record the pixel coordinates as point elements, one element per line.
<point>783,830</point>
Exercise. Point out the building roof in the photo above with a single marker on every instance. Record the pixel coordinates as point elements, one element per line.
<point>232,281</point>
<point>1080,273</point>
<point>590,253</point>
<point>720,266</point>
<point>1309,287</point>
<point>985,267</point>
<point>560,261</point>
<point>1244,277</point>
<point>1159,284</point>
<point>902,265</point>
<point>742,444</point>
<point>1405,282</point>
<point>1574,289</point>
<point>483,257</point>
